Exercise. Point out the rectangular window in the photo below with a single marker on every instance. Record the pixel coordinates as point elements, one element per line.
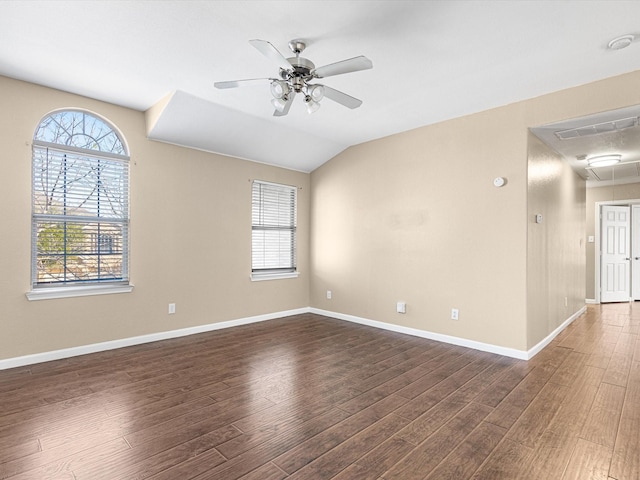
<point>273,230</point>
<point>80,217</point>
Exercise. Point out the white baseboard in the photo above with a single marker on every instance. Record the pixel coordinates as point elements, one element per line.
<point>127,342</point>
<point>154,337</point>
<point>591,301</point>
<point>462,342</point>
<point>547,340</point>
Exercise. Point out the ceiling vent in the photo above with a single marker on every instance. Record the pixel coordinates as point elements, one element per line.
<point>597,129</point>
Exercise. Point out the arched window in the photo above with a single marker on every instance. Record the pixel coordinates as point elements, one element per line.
<point>80,202</point>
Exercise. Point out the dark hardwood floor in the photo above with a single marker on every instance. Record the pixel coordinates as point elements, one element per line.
<point>309,397</point>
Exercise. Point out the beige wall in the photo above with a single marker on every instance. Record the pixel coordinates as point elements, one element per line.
<point>610,193</point>
<point>190,237</point>
<point>414,217</point>
<point>555,247</point>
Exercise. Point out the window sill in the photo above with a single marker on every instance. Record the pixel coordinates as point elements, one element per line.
<point>81,291</point>
<point>259,277</point>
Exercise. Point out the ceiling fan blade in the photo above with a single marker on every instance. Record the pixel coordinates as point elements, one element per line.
<point>271,52</point>
<point>240,83</point>
<point>287,106</point>
<point>345,66</point>
<point>341,98</point>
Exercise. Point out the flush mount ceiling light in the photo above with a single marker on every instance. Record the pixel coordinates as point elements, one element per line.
<point>620,42</point>
<point>297,73</point>
<point>603,160</point>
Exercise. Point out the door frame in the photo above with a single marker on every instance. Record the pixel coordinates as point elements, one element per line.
<point>598,230</point>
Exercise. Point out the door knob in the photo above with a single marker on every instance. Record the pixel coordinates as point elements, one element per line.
<point>637,258</point>
<point>627,258</point>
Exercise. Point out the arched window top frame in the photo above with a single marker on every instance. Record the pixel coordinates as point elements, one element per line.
<point>80,130</point>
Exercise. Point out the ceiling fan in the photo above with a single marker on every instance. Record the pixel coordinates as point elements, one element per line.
<point>297,73</point>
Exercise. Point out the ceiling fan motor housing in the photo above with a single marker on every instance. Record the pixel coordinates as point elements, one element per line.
<point>301,66</point>
<point>299,74</point>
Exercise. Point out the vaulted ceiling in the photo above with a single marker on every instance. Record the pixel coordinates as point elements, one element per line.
<point>432,61</point>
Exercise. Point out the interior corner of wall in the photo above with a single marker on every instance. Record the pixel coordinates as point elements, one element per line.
<point>153,114</point>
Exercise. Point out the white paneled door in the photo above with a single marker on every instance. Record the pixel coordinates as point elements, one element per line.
<point>635,252</point>
<point>616,254</point>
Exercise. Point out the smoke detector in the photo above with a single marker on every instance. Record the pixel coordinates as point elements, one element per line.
<point>620,42</point>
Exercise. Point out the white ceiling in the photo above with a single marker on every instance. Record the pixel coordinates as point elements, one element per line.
<point>432,61</point>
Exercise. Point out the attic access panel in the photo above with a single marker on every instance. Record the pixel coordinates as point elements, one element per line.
<point>615,172</point>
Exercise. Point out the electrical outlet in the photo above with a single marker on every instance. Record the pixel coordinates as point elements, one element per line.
<point>454,314</point>
<point>401,307</point>
<point>172,308</point>
<point>328,294</point>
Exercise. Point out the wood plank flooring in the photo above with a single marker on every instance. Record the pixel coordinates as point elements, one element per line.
<point>309,397</point>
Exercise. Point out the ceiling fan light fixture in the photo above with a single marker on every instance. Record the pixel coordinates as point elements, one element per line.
<point>316,92</point>
<point>604,160</point>
<point>279,103</point>
<point>312,106</point>
<point>279,89</point>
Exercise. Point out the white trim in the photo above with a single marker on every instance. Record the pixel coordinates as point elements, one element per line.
<point>154,337</point>
<point>79,291</point>
<point>259,277</point>
<point>274,184</point>
<point>127,342</point>
<point>591,301</point>
<point>545,341</point>
<point>598,228</point>
<point>462,342</point>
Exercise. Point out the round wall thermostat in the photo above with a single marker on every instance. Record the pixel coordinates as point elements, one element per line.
<point>499,181</point>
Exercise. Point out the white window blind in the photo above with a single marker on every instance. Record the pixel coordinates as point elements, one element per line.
<point>273,239</point>
<point>80,202</point>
